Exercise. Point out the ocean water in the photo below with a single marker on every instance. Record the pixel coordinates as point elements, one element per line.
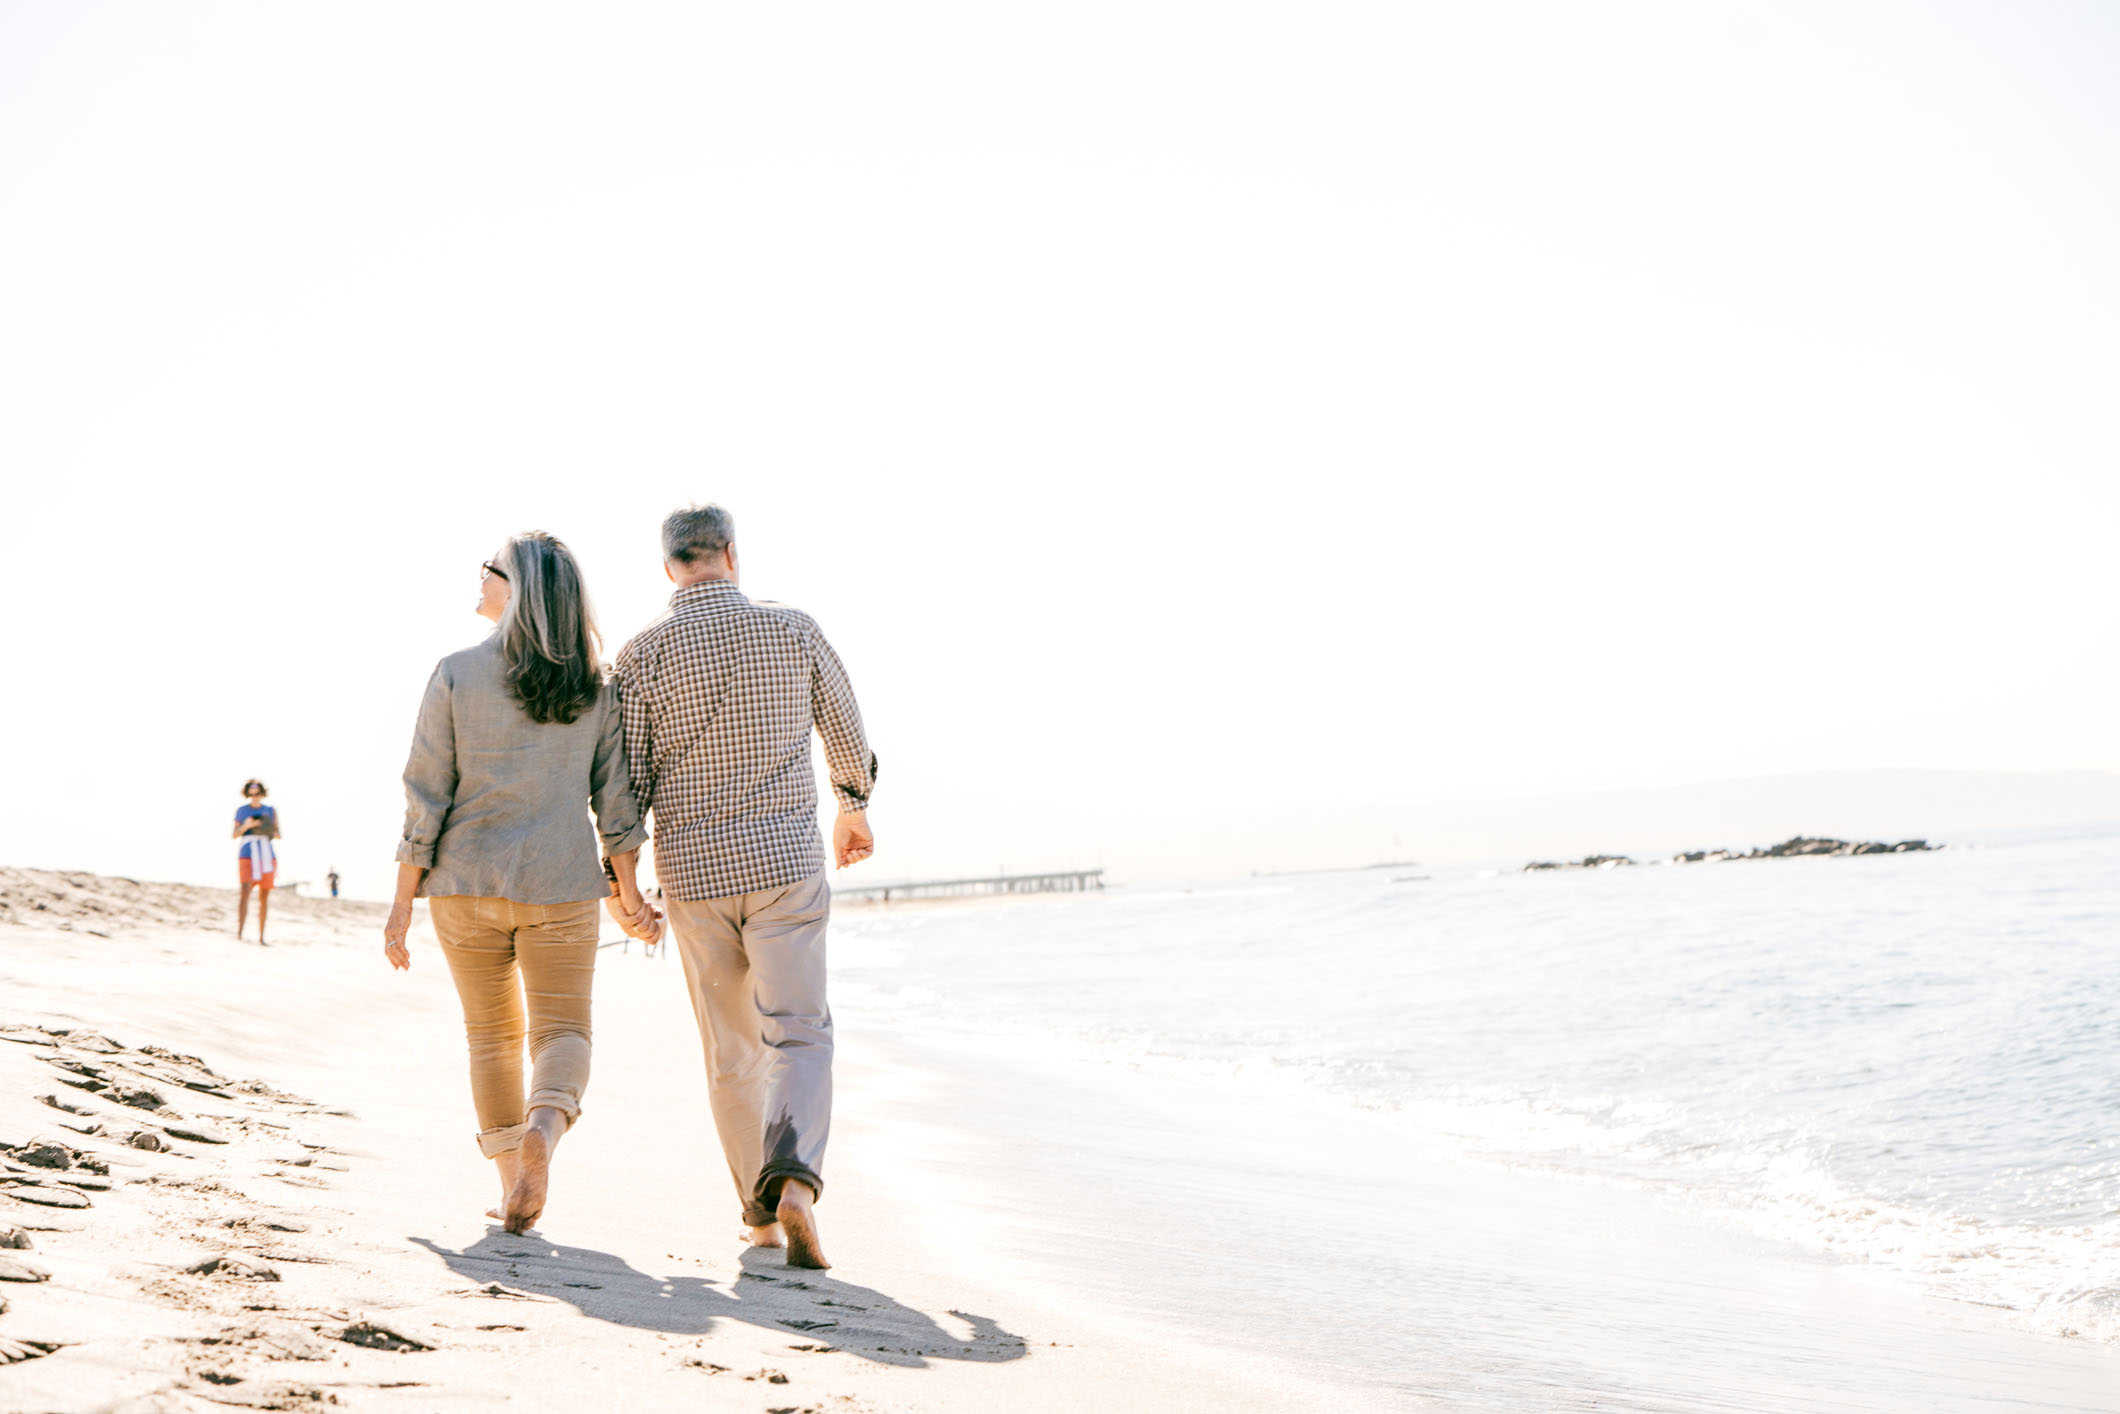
<point>1909,1063</point>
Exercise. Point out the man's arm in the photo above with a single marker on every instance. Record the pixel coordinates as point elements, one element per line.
<point>846,751</point>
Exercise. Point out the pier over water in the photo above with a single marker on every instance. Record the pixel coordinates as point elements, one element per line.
<point>1067,881</point>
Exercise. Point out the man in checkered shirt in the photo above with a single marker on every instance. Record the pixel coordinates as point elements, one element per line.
<point>720,695</point>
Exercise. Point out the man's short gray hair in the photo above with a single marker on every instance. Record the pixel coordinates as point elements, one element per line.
<point>696,533</point>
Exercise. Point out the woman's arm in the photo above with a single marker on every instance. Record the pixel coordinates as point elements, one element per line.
<point>634,914</point>
<point>400,921</point>
<point>619,819</point>
<point>430,774</point>
<point>624,867</point>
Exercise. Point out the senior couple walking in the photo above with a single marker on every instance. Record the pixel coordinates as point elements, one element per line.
<point>702,724</point>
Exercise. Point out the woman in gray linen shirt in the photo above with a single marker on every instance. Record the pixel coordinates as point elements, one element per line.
<point>514,735</point>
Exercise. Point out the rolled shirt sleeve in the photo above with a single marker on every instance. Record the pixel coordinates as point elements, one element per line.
<point>838,721</point>
<point>619,819</point>
<point>430,774</point>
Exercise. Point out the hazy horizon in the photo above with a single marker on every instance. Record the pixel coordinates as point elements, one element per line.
<point>1944,807</point>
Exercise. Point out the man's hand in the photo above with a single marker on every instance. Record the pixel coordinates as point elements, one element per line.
<point>851,840</point>
<point>643,923</point>
<point>394,930</point>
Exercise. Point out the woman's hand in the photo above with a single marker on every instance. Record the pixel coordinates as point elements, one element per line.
<point>400,920</point>
<point>394,930</point>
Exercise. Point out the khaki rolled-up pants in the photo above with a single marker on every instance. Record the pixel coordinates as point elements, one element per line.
<point>523,973</point>
<point>754,964</point>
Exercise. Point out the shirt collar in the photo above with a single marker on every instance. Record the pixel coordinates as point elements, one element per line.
<point>711,593</point>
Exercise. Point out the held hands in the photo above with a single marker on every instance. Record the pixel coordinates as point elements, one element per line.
<point>852,840</point>
<point>394,930</point>
<point>641,922</point>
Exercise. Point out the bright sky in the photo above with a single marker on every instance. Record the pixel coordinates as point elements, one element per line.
<point>1172,413</point>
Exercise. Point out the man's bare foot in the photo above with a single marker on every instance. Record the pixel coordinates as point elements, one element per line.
<point>533,1166</point>
<point>799,1223</point>
<point>765,1236</point>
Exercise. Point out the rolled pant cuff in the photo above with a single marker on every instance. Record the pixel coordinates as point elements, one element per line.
<point>561,1100</point>
<point>495,1142</point>
<point>767,1194</point>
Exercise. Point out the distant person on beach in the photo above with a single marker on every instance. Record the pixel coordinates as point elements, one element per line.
<point>720,696</point>
<point>514,736</point>
<point>257,859</point>
<point>331,878</point>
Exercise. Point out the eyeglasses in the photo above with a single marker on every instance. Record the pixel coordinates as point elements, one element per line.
<point>489,568</point>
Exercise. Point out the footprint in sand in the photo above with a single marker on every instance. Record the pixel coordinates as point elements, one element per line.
<point>371,1336</point>
<point>46,1195</point>
<point>233,1268</point>
<point>23,1270</point>
<point>13,1352</point>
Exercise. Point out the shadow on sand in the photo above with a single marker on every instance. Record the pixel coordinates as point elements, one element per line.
<point>802,1305</point>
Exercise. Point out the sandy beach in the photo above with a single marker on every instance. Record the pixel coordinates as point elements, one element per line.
<point>244,1178</point>
<point>309,1226</point>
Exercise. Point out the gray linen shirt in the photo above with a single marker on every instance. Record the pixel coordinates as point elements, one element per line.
<point>494,802</point>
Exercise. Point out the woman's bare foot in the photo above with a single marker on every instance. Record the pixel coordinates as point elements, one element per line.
<point>799,1223</point>
<point>506,1164</point>
<point>533,1165</point>
<point>533,1169</point>
<point>766,1236</point>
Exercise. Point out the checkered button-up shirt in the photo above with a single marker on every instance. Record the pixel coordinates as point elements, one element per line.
<point>720,695</point>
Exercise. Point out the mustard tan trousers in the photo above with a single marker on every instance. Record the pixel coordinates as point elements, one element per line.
<point>522,972</point>
<point>754,964</point>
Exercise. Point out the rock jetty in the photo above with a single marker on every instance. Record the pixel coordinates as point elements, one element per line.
<point>1807,845</point>
<point>1787,849</point>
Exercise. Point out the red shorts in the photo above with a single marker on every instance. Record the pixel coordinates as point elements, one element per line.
<point>248,873</point>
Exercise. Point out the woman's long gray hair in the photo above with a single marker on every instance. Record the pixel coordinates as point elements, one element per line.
<point>548,631</point>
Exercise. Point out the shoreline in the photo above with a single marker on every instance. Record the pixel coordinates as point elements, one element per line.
<point>1360,1256</point>
<point>1012,1230</point>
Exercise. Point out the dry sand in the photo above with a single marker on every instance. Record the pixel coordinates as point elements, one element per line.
<point>243,1177</point>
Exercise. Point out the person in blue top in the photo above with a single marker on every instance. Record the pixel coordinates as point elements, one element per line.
<point>257,834</point>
